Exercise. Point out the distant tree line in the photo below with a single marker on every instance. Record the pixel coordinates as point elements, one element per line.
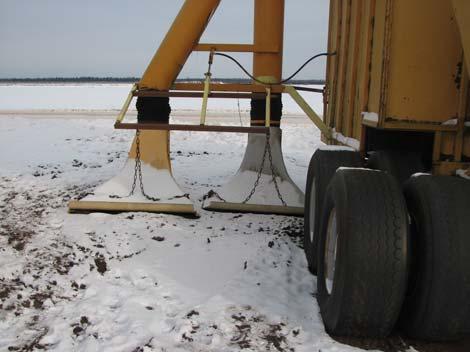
<point>71,80</point>
<point>134,79</point>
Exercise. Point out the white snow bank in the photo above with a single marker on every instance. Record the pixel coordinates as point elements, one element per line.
<point>453,122</point>
<point>70,97</point>
<point>370,116</point>
<point>348,141</point>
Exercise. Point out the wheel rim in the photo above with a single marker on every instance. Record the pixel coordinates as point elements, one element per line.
<point>312,211</point>
<point>331,247</point>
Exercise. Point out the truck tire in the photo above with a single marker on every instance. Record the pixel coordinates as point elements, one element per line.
<point>321,169</point>
<point>362,254</point>
<point>400,164</point>
<point>437,305</point>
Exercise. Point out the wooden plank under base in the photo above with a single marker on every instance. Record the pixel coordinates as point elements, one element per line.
<point>76,206</point>
<point>255,208</point>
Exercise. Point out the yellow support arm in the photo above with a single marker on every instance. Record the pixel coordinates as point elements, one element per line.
<point>125,107</point>
<point>308,110</point>
<point>178,44</point>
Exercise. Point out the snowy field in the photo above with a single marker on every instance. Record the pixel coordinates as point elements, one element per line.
<point>142,282</point>
<point>82,97</point>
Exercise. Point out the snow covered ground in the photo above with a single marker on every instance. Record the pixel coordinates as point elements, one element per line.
<point>111,97</point>
<point>144,282</point>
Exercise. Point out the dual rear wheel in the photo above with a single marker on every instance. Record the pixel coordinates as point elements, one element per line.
<point>322,167</point>
<point>385,256</point>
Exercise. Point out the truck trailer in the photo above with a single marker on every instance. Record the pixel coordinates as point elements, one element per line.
<point>387,200</point>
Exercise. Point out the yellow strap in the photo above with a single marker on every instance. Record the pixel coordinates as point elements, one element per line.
<point>125,107</point>
<point>308,110</point>
<point>268,107</point>
<point>205,97</point>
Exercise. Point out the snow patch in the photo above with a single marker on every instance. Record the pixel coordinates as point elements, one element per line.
<point>157,184</point>
<point>463,173</point>
<point>348,141</point>
<point>336,148</point>
<point>370,116</point>
<point>454,122</point>
<point>451,122</point>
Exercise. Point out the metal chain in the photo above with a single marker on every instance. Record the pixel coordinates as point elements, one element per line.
<point>273,173</point>
<point>267,150</point>
<point>138,174</point>
<point>138,171</point>
<point>239,112</point>
<point>260,171</point>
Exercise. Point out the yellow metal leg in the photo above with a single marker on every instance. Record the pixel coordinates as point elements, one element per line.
<point>178,44</point>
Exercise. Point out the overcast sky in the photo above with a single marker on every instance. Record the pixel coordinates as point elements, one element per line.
<point>51,38</point>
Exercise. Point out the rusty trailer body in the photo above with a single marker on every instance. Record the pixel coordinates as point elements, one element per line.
<point>399,79</point>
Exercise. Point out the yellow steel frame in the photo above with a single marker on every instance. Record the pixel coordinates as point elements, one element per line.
<point>207,87</point>
<point>183,38</point>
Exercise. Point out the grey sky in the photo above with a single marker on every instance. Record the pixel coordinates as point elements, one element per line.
<point>119,37</point>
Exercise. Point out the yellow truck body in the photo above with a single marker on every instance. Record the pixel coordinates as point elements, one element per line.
<point>399,66</point>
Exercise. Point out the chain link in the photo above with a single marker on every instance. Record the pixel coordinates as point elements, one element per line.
<point>260,171</point>
<point>138,174</point>
<point>239,112</point>
<point>138,171</point>
<point>267,150</point>
<point>273,173</point>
